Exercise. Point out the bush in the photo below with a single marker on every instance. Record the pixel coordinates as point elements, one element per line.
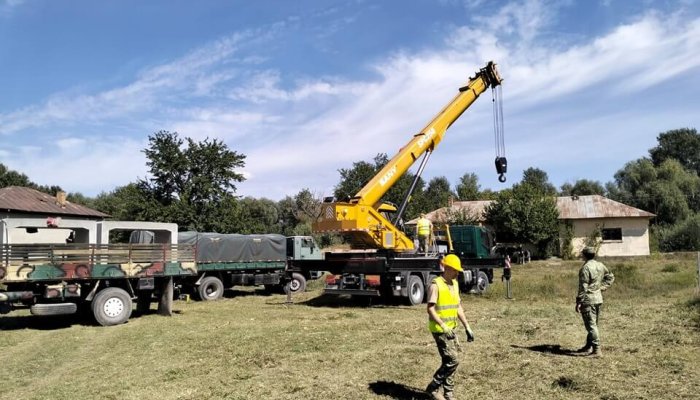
<point>683,236</point>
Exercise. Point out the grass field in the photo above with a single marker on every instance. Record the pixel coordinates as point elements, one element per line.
<point>251,346</point>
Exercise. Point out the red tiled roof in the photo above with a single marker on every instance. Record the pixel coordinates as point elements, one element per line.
<point>24,199</point>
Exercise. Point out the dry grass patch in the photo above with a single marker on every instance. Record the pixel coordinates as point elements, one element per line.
<point>253,346</point>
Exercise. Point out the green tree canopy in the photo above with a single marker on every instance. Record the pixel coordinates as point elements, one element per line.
<point>669,190</point>
<point>538,179</point>
<point>190,180</point>
<point>526,214</point>
<point>438,193</point>
<point>678,144</point>
<point>468,188</point>
<point>582,187</point>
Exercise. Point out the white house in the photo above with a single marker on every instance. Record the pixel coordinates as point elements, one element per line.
<point>622,230</point>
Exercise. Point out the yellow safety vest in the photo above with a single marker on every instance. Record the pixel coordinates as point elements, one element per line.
<point>446,306</point>
<point>423,225</point>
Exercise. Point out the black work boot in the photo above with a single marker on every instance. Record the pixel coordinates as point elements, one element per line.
<point>433,391</point>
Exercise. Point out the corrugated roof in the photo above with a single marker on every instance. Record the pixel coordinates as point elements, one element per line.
<point>596,206</point>
<point>570,207</point>
<point>473,208</point>
<point>24,199</point>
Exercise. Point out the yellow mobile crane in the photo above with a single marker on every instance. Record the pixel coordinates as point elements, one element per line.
<point>383,260</point>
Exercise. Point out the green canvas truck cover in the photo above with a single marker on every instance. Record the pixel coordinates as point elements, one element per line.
<point>234,248</point>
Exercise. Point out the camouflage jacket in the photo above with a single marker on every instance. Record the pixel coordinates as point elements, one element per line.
<point>593,278</point>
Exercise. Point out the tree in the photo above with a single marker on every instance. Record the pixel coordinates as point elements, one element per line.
<point>678,144</point>
<point>10,177</point>
<point>582,187</point>
<point>540,180</point>
<point>258,216</point>
<point>190,179</point>
<point>526,214</point>
<point>438,193</point>
<point>468,187</point>
<point>130,203</point>
<point>669,191</point>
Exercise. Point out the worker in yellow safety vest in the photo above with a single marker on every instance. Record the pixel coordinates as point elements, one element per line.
<point>444,310</point>
<point>423,230</point>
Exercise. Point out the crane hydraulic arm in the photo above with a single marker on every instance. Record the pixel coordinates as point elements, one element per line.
<point>361,219</point>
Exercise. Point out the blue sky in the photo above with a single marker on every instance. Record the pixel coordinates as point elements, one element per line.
<point>304,88</point>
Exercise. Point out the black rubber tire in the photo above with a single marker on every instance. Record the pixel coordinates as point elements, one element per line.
<point>297,284</point>
<point>210,288</point>
<point>482,282</point>
<point>54,309</point>
<point>416,290</point>
<point>111,306</point>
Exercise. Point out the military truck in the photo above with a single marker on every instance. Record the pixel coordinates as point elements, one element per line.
<point>228,260</point>
<point>55,267</point>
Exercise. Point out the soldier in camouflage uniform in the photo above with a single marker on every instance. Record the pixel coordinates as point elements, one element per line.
<point>593,279</point>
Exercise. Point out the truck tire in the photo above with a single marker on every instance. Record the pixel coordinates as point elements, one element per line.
<point>297,284</point>
<point>54,309</point>
<point>482,282</point>
<point>111,306</point>
<point>416,290</point>
<point>210,288</point>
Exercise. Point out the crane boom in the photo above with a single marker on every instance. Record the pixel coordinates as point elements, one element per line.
<point>361,218</point>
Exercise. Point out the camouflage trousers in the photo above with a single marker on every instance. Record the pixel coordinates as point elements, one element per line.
<point>590,314</point>
<point>423,243</point>
<point>448,353</point>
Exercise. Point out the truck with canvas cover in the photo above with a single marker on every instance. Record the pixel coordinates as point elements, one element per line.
<point>228,260</point>
<point>84,268</point>
<point>383,260</point>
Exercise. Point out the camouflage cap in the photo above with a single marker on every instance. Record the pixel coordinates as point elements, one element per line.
<point>588,250</point>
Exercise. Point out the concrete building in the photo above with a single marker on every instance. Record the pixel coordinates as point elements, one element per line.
<point>622,230</point>
<point>31,216</point>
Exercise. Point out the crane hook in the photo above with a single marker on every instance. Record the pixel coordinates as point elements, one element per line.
<point>501,168</point>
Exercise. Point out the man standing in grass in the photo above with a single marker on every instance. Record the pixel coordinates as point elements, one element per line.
<point>444,309</point>
<point>593,279</point>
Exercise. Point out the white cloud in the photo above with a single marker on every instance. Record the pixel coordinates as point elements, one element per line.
<point>297,132</point>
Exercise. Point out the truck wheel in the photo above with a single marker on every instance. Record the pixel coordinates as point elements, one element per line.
<point>482,282</point>
<point>111,306</point>
<point>210,288</point>
<point>416,290</point>
<point>54,309</point>
<point>297,284</point>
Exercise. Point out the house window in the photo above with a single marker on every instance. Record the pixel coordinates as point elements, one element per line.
<point>612,234</point>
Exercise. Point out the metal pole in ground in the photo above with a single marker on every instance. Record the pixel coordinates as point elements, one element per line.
<point>506,277</point>
<point>697,289</point>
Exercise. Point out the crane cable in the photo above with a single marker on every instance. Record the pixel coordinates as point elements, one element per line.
<point>501,162</point>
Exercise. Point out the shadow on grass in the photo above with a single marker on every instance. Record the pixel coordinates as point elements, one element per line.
<point>346,301</point>
<point>55,322</point>
<point>42,323</point>
<point>396,390</point>
<point>554,349</point>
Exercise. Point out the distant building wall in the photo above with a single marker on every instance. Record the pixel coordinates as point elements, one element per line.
<point>633,241</point>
